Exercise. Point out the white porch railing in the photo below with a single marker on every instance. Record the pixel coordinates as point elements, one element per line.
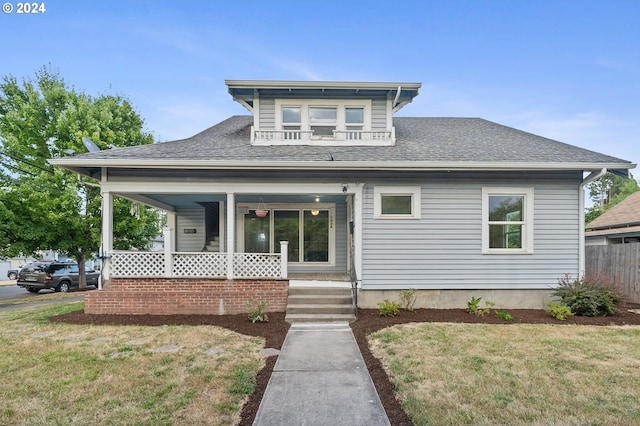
<point>184,265</point>
<point>364,137</point>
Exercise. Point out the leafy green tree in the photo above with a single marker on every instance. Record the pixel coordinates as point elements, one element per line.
<point>45,207</point>
<point>608,191</point>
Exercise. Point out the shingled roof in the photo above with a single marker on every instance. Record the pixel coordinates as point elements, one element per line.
<point>421,142</point>
<point>623,217</point>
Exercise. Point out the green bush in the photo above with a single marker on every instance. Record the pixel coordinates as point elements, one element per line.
<point>388,308</point>
<point>504,315</point>
<point>408,298</point>
<point>473,306</point>
<point>257,311</point>
<point>591,295</point>
<point>559,311</point>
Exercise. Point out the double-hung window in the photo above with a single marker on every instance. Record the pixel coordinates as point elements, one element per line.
<point>354,122</point>
<point>323,121</point>
<point>507,220</point>
<point>291,121</point>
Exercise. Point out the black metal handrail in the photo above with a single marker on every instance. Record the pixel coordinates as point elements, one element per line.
<point>354,284</point>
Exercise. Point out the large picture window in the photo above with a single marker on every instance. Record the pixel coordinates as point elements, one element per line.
<point>507,220</point>
<point>308,230</point>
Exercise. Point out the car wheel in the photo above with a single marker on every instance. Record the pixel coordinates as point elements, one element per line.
<point>13,276</point>
<point>63,287</point>
<point>33,290</point>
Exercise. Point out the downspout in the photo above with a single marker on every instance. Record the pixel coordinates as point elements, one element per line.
<point>395,100</point>
<point>581,250</point>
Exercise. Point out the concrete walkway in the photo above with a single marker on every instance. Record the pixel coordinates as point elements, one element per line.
<point>320,378</point>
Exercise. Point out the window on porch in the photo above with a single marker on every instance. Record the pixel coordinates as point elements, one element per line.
<point>306,230</point>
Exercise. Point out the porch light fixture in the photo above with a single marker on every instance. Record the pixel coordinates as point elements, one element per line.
<point>261,211</point>
<point>317,198</point>
<point>315,212</point>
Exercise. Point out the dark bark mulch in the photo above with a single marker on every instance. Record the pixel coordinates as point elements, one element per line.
<point>368,321</point>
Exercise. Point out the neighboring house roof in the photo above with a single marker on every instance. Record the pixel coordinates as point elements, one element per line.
<point>623,218</point>
<point>421,144</point>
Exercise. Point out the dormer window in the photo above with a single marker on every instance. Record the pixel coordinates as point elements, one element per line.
<point>291,122</point>
<point>323,120</point>
<point>354,120</point>
<point>326,113</point>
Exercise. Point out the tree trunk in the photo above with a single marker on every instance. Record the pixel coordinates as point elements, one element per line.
<point>82,274</point>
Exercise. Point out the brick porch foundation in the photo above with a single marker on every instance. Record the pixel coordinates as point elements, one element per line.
<point>170,296</point>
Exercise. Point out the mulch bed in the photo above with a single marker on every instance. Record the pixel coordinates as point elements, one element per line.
<point>368,322</point>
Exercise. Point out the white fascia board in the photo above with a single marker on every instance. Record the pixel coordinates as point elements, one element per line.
<point>297,84</point>
<point>77,163</point>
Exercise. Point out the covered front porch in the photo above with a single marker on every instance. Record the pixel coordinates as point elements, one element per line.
<point>222,249</point>
<point>254,234</point>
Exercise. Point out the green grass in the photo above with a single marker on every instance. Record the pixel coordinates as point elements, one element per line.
<point>452,374</point>
<point>67,374</point>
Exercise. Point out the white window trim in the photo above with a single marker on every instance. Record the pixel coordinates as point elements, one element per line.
<point>340,105</point>
<point>331,207</point>
<point>527,227</point>
<point>416,201</point>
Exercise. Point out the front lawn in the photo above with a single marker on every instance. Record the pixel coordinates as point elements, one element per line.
<point>518,374</point>
<point>56,373</point>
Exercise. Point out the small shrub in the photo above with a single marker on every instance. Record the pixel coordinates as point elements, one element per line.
<point>408,298</point>
<point>591,295</point>
<point>504,315</point>
<point>388,308</point>
<point>473,306</point>
<point>257,311</point>
<point>559,311</point>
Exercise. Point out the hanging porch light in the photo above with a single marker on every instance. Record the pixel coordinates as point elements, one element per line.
<point>262,211</point>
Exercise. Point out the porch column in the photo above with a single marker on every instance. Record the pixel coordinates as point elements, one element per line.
<point>231,225</point>
<point>168,251</point>
<point>171,223</point>
<point>107,236</point>
<point>284,258</point>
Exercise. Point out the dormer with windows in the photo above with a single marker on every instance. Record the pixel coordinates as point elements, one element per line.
<point>322,113</point>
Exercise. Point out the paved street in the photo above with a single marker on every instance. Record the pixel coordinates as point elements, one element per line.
<point>9,292</point>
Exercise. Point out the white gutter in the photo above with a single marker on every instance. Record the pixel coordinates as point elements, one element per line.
<point>581,232</point>
<point>315,164</point>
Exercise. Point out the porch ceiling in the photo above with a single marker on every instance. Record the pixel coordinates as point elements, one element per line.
<point>196,200</point>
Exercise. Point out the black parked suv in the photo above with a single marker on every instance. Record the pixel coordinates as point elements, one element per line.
<point>53,275</point>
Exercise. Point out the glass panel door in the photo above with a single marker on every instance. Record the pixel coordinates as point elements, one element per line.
<point>256,233</point>
<point>316,235</point>
<point>286,227</point>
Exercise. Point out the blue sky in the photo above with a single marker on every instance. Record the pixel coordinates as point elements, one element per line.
<point>567,70</point>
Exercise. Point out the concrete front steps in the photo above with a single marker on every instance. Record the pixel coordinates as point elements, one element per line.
<point>320,304</point>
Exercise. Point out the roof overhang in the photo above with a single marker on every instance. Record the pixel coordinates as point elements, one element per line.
<point>247,91</point>
<point>93,168</point>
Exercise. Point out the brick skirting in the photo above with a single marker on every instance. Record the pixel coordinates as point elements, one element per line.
<point>170,296</point>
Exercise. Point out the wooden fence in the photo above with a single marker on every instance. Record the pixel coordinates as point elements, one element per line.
<point>620,262</point>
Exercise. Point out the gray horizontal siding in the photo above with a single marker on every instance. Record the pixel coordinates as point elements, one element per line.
<point>267,113</point>
<point>444,248</point>
<point>379,114</point>
<point>190,219</point>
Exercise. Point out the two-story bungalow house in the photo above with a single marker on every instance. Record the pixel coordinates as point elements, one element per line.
<point>321,185</point>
